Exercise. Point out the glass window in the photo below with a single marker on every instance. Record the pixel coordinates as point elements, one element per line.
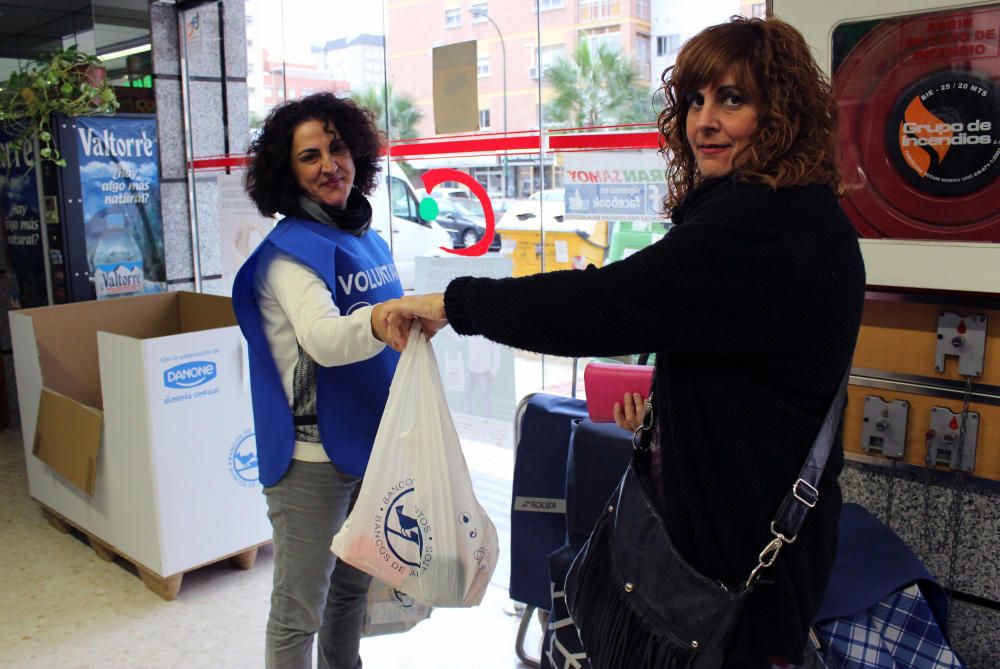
<point>667,44</point>
<point>484,118</point>
<point>758,10</point>
<point>491,178</point>
<point>597,10</point>
<point>453,18</point>
<point>549,56</point>
<point>483,66</point>
<point>548,4</point>
<point>610,36</point>
<point>479,12</point>
<point>642,9</point>
<point>642,57</point>
<point>402,203</point>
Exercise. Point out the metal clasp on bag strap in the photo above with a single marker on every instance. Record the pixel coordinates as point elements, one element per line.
<point>782,537</point>
<point>803,491</point>
<point>766,558</point>
<point>770,552</point>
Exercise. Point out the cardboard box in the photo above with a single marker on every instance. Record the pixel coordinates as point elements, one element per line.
<point>138,427</point>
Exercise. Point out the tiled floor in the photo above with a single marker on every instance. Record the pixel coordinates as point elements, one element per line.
<point>61,606</point>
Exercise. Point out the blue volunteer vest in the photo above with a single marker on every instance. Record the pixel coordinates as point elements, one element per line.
<point>349,399</point>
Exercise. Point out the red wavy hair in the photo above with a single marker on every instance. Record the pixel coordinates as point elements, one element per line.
<point>794,142</point>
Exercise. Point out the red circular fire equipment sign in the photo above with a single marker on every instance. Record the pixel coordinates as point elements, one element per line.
<point>920,128</point>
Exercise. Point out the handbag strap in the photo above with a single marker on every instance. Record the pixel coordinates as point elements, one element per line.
<point>804,493</point>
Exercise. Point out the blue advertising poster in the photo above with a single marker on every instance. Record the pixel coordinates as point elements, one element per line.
<point>120,183</point>
<point>615,185</point>
<point>22,230</point>
<point>611,201</point>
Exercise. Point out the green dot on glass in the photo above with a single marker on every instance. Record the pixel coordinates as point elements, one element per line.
<point>428,209</point>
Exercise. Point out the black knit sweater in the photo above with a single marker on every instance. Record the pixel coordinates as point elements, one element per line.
<point>752,303</point>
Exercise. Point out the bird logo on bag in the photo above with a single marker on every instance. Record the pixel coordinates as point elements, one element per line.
<point>409,529</point>
<point>405,529</point>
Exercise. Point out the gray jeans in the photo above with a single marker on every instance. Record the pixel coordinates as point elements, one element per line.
<point>313,591</point>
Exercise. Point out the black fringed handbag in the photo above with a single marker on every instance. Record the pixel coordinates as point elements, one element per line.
<point>634,600</point>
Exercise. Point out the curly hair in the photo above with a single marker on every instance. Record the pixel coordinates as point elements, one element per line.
<point>270,181</point>
<point>794,142</point>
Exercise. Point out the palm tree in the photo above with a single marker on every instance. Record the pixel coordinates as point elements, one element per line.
<point>403,114</point>
<point>599,87</point>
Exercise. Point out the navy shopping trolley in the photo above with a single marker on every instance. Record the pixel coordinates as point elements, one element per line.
<point>542,429</point>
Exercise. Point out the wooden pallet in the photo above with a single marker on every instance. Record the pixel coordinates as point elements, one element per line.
<point>166,587</point>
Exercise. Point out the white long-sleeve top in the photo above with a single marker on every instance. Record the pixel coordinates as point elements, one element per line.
<point>297,308</point>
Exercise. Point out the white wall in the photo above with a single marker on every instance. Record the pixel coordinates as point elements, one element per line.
<point>817,20</point>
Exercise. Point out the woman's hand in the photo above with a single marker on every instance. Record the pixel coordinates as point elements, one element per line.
<point>630,411</point>
<point>380,325</point>
<point>396,316</point>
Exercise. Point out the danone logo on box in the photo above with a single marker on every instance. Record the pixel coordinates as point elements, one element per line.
<point>190,374</point>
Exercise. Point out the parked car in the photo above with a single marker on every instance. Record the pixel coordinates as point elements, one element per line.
<point>465,197</point>
<point>396,217</point>
<point>465,226</point>
<point>528,213</point>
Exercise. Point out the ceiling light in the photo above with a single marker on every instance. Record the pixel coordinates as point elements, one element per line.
<point>126,52</point>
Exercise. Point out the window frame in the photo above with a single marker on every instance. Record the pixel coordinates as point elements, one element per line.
<point>549,5</point>
<point>475,7</point>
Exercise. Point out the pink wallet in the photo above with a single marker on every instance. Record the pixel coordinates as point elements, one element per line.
<point>606,383</point>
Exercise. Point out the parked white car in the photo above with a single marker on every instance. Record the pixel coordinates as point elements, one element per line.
<point>396,218</point>
<point>528,214</point>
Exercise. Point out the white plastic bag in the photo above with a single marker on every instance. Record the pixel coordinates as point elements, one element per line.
<point>391,611</point>
<point>416,524</point>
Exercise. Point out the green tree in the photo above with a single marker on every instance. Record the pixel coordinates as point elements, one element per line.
<point>403,113</point>
<point>257,119</point>
<point>597,87</point>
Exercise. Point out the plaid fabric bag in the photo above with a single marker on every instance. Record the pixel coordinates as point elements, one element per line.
<point>899,632</point>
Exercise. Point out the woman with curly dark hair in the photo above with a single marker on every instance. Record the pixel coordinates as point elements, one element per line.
<point>308,301</point>
<point>752,303</point>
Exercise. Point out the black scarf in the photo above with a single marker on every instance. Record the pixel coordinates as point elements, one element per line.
<point>355,218</point>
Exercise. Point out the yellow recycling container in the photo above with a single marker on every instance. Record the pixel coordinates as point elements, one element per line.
<point>572,244</point>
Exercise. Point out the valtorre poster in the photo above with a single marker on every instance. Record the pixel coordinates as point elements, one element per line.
<point>123,223</point>
<point>19,213</point>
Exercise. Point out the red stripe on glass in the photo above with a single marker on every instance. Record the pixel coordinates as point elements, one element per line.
<point>609,140</point>
<point>482,145</point>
